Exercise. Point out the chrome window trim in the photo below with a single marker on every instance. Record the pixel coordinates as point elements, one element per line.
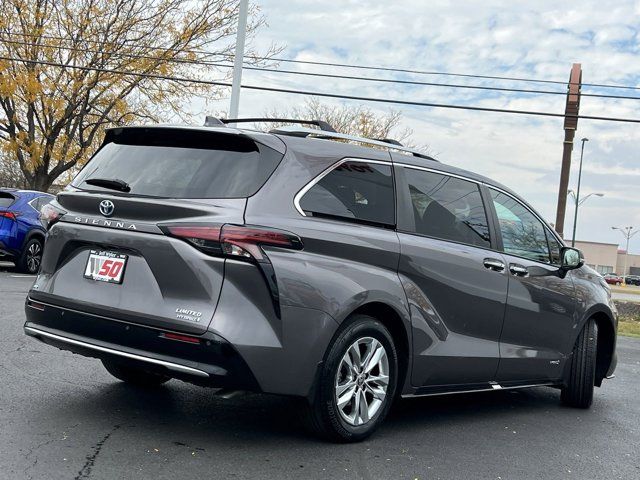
<point>327,171</point>
<point>38,198</point>
<point>439,172</point>
<point>545,225</point>
<point>488,185</point>
<point>170,365</point>
<point>30,203</point>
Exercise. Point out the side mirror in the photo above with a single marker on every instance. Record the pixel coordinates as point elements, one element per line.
<point>571,258</point>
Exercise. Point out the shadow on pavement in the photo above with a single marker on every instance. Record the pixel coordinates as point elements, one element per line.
<point>177,409</point>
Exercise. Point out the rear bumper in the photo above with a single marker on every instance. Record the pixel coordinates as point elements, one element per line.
<point>212,362</point>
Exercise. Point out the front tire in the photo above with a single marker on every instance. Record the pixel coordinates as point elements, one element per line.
<point>582,372</point>
<point>133,375</point>
<point>29,261</point>
<point>357,382</point>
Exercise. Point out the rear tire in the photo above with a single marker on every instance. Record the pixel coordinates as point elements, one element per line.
<point>363,384</point>
<point>29,261</point>
<point>579,389</point>
<point>133,375</point>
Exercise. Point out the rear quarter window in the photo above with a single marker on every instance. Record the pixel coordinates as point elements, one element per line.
<point>182,164</point>
<point>355,190</point>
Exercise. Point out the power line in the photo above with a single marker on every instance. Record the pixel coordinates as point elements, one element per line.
<point>451,74</point>
<point>355,66</point>
<point>329,75</point>
<point>330,95</point>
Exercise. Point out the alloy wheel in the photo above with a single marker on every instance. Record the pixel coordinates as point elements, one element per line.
<point>34,257</point>
<point>362,381</point>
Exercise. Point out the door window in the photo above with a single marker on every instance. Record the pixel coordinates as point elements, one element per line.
<point>522,233</point>
<point>356,191</point>
<point>448,208</point>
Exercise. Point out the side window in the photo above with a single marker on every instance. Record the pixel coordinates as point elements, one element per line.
<point>40,202</point>
<point>354,190</point>
<point>522,233</point>
<point>448,208</point>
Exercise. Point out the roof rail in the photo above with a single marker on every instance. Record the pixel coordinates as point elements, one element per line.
<point>322,125</point>
<point>392,141</point>
<point>390,144</point>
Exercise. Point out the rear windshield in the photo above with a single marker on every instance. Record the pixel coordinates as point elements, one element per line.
<point>181,164</point>
<point>6,199</point>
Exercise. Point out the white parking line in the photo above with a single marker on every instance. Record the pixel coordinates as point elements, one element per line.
<point>23,276</point>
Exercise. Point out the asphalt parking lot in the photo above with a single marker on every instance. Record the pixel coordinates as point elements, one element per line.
<point>62,416</point>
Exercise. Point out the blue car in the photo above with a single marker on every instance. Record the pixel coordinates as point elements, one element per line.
<point>21,232</point>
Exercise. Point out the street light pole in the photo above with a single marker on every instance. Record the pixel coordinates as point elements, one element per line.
<point>239,58</point>
<point>627,233</point>
<point>575,216</point>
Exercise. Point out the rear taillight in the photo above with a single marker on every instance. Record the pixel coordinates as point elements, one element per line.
<point>9,215</point>
<point>246,241</point>
<point>234,240</point>
<point>243,242</point>
<point>50,215</point>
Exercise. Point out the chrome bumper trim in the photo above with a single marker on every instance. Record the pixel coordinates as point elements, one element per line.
<point>170,365</point>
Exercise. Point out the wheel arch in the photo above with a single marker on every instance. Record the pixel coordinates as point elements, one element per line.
<point>607,326</point>
<point>399,330</point>
<point>34,233</point>
<point>606,344</point>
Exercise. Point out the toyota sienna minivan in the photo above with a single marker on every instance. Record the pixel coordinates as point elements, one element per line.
<point>341,270</point>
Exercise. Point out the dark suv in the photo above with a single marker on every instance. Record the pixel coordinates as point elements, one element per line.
<point>291,263</point>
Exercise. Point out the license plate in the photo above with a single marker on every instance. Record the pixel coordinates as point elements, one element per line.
<point>105,266</point>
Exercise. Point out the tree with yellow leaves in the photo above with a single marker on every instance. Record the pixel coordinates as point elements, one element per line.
<point>71,68</point>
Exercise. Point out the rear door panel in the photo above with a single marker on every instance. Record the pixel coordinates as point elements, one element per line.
<point>457,303</point>
<point>457,307</point>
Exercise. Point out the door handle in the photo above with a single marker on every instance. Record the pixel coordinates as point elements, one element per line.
<point>493,264</point>
<point>518,270</point>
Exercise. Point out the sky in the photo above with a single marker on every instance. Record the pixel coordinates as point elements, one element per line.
<point>535,39</point>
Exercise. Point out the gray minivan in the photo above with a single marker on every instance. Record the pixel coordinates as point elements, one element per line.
<point>342,270</point>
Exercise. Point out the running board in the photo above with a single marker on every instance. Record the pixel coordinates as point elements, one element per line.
<point>170,365</point>
<point>486,387</point>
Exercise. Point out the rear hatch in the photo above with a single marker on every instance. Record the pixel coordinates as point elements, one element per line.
<point>112,252</point>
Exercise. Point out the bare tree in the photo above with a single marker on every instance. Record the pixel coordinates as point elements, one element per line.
<point>356,120</point>
<point>70,68</point>
<point>10,173</point>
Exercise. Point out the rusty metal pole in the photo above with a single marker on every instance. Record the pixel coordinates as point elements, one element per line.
<point>571,112</point>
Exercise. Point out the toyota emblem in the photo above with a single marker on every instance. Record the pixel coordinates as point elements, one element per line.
<point>106,208</point>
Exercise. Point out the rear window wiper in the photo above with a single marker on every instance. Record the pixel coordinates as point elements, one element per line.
<point>111,183</point>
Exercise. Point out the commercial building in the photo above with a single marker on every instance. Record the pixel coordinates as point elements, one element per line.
<point>607,258</point>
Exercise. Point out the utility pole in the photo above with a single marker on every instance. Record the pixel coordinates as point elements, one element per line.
<point>239,58</point>
<point>626,233</point>
<point>570,125</point>
<point>575,216</point>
